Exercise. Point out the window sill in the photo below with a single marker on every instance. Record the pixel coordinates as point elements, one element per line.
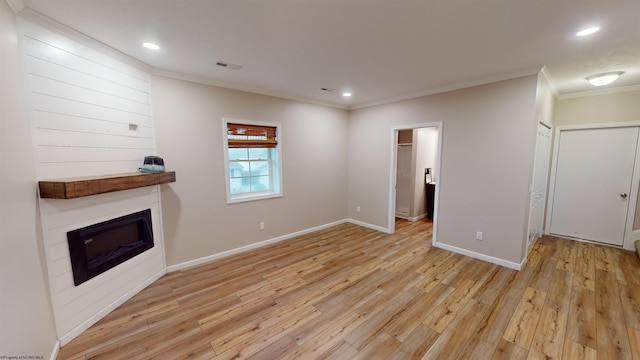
<point>241,199</point>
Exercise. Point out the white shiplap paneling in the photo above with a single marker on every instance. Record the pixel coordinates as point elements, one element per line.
<point>77,90</point>
<point>50,154</point>
<point>58,45</point>
<point>46,86</point>
<point>107,84</point>
<point>62,138</point>
<point>90,115</point>
<point>65,170</point>
<point>60,105</point>
<point>74,123</point>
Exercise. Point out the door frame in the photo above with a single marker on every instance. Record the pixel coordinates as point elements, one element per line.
<point>545,199</point>
<point>391,211</point>
<point>629,233</point>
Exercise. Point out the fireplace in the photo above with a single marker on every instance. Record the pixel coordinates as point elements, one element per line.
<point>97,248</point>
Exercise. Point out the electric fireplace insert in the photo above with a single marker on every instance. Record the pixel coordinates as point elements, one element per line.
<point>97,248</point>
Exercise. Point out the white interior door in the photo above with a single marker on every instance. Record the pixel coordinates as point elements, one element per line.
<point>539,183</point>
<point>594,171</point>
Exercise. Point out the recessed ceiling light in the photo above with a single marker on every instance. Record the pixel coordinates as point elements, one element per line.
<point>604,79</point>
<point>346,94</point>
<point>151,46</point>
<point>588,31</point>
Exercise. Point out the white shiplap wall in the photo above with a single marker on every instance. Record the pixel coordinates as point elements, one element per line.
<point>90,115</point>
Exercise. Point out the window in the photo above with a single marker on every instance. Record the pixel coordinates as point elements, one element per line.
<point>252,160</point>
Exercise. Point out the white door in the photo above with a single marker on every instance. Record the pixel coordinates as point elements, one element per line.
<point>594,170</point>
<point>539,183</point>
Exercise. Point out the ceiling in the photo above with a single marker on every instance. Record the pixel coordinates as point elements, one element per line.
<point>380,50</point>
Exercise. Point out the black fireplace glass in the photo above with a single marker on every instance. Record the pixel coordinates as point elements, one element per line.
<point>97,248</point>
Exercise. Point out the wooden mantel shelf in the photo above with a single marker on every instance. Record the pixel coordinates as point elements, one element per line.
<point>71,188</point>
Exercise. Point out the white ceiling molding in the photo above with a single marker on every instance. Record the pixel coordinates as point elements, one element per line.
<point>457,86</point>
<point>37,18</point>
<point>256,90</point>
<point>544,74</point>
<point>612,90</point>
<point>15,5</point>
<point>245,88</point>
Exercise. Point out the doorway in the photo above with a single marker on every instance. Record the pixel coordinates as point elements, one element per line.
<point>414,155</point>
<point>405,176</point>
<point>594,184</point>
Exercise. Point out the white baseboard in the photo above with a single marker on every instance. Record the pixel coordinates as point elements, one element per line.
<point>370,226</point>
<point>54,352</point>
<point>479,256</point>
<point>416,218</point>
<point>209,258</point>
<point>66,338</point>
<point>412,219</point>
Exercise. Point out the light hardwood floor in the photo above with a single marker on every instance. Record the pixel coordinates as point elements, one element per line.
<point>352,293</point>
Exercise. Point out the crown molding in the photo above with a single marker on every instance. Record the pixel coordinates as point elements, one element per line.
<point>455,86</point>
<point>32,16</point>
<point>245,88</point>
<point>16,5</point>
<point>544,75</point>
<point>613,90</point>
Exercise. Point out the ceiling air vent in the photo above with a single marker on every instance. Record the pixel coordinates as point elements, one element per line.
<point>228,66</point>
<point>327,89</point>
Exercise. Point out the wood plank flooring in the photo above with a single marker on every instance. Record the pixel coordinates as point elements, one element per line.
<point>353,293</point>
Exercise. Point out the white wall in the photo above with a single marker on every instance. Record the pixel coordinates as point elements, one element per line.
<point>83,104</point>
<point>598,109</point>
<point>487,156</point>
<point>404,175</point>
<point>198,221</point>
<point>26,319</point>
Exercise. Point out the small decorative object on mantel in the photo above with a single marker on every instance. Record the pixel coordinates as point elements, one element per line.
<point>152,165</point>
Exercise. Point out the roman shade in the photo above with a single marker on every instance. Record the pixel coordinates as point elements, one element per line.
<point>243,136</point>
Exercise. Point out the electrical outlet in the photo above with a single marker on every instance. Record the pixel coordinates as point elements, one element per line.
<point>479,235</point>
<point>357,208</point>
<point>261,226</point>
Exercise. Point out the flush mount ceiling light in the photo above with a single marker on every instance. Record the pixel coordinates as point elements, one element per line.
<point>151,46</point>
<point>588,31</point>
<point>604,79</point>
<point>346,94</point>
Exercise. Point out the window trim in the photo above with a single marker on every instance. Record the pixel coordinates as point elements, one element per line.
<point>277,157</point>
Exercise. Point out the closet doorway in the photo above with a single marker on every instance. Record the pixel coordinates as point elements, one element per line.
<point>415,161</point>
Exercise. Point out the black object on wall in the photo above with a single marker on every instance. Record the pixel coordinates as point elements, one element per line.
<point>97,248</point>
<point>431,189</point>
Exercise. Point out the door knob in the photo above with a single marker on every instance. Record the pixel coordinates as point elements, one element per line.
<point>623,195</point>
